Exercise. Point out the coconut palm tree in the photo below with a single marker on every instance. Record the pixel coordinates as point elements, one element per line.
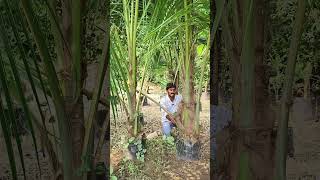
<point>251,154</point>
<point>250,102</point>
<point>173,34</point>
<point>282,135</point>
<point>62,91</point>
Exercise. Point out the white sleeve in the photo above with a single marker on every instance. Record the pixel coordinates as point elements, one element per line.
<point>163,113</point>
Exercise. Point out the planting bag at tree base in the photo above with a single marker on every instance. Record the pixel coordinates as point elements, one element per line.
<point>220,117</point>
<point>186,150</point>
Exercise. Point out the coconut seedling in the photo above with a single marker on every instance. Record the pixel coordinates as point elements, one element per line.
<point>187,117</point>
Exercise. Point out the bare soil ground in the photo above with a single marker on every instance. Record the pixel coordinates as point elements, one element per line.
<point>305,164</point>
<point>160,162</point>
<point>32,170</point>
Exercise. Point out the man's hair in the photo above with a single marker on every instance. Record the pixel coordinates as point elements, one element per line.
<point>171,85</point>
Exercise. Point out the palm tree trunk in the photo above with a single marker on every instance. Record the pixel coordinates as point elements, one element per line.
<point>263,120</point>
<point>229,169</point>
<point>215,70</point>
<point>74,110</point>
<point>188,93</point>
<point>282,135</point>
<point>307,72</point>
<point>250,99</point>
<point>227,153</point>
<point>247,84</point>
<point>131,18</point>
<point>215,52</point>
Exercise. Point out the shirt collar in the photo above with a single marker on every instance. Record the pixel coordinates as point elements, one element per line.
<point>169,100</point>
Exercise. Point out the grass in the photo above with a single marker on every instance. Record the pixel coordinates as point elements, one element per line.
<point>159,153</point>
<point>160,159</point>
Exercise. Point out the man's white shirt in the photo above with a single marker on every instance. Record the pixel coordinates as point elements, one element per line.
<point>171,106</point>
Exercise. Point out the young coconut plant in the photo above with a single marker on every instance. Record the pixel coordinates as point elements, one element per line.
<point>188,116</point>
<point>123,77</point>
<point>127,56</point>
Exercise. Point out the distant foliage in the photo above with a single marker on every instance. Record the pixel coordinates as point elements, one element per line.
<point>282,16</point>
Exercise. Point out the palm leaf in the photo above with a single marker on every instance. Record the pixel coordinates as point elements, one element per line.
<point>56,26</point>
<point>19,87</point>
<point>53,83</point>
<point>95,100</point>
<point>7,138</point>
<point>204,64</point>
<point>11,114</point>
<point>36,65</point>
<point>113,101</point>
<point>13,24</point>
<point>217,19</point>
<point>76,45</point>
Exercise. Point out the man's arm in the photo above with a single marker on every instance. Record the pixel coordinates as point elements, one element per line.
<point>170,118</point>
<point>164,113</point>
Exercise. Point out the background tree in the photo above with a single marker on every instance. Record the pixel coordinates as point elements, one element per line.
<point>48,45</point>
<point>272,27</point>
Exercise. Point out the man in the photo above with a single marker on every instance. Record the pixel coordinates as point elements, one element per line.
<point>170,102</point>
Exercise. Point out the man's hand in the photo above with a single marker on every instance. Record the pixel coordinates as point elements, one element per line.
<point>170,118</point>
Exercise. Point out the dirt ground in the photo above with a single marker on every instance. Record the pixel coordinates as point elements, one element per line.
<point>32,171</point>
<point>305,164</point>
<point>161,162</point>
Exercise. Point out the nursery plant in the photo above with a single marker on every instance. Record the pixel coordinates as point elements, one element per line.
<point>141,30</point>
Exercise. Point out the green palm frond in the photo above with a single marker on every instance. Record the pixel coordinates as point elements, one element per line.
<point>7,118</point>
<point>18,85</point>
<point>56,92</point>
<point>13,24</point>
<point>7,137</point>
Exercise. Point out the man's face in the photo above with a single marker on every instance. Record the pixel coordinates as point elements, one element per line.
<point>171,92</point>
